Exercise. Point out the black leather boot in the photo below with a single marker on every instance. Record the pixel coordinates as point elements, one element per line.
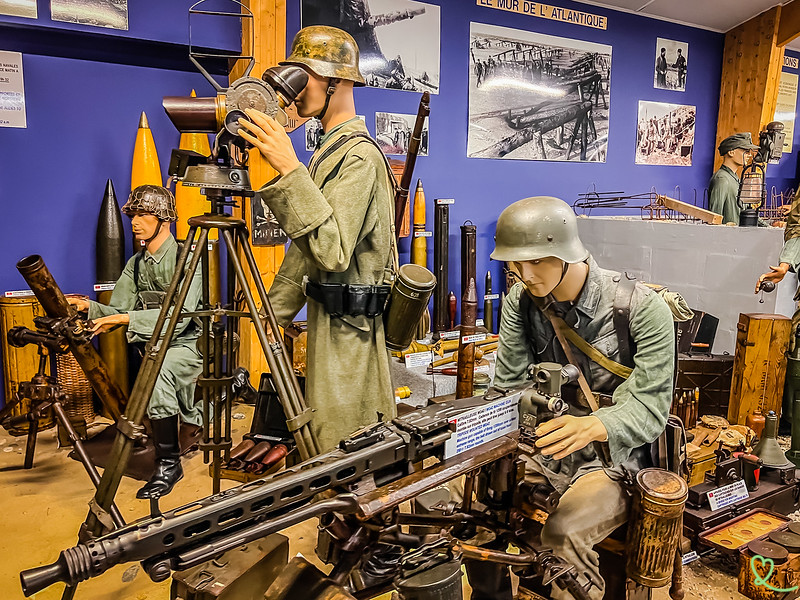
<point>168,459</point>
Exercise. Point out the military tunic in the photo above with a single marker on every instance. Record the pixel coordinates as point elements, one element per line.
<point>174,390</point>
<point>638,414</point>
<point>723,189</point>
<point>339,217</point>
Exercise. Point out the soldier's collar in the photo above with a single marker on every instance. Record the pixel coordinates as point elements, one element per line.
<point>590,294</point>
<point>162,250</point>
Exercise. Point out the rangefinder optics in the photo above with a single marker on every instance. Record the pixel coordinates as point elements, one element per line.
<point>277,89</point>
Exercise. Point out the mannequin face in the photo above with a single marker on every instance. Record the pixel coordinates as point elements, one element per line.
<point>144,225</point>
<point>740,156</point>
<point>310,101</point>
<point>540,276</point>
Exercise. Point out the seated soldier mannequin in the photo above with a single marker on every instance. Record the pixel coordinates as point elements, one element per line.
<point>135,303</point>
<point>538,238</point>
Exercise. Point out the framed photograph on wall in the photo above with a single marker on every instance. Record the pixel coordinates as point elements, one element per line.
<point>393,133</point>
<point>665,134</point>
<point>671,65</point>
<point>101,13</point>
<point>19,8</point>
<point>537,97</point>
<point>398,40</point>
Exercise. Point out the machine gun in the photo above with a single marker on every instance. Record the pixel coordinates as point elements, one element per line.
<point>372,473</point>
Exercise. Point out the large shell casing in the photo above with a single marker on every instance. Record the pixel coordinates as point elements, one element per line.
<point>654,529</point>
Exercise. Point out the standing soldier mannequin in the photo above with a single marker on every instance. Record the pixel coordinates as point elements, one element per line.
<point>661,69</point>
<point>136,303</point>
<point>680,64</point>
<point>723,189</point>
<point>557,278</point>
<point>339,214</point>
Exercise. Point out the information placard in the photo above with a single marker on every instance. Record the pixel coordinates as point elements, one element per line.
<point>483,424</point>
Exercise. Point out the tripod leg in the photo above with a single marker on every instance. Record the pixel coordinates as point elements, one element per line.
<point>30,446</point>
<point>77,445</point>
<point>155,351</point>
<point>288,388</point>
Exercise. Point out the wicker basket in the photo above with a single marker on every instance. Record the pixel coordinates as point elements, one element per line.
<point>73,382</point>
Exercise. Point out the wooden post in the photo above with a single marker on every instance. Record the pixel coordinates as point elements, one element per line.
<point>269,47</point>
<point>751,67</point>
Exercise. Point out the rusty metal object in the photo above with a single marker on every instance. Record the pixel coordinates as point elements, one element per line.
<point>783,570</point>
<point>469,235</point>
<point>301,579</point>
<point>55,305</point>
<point>466,350</point>
<point>393,494</point>
<point>401,193</point>
<point>655,526</point>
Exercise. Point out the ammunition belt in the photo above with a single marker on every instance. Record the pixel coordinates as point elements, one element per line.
<point>338,299</point>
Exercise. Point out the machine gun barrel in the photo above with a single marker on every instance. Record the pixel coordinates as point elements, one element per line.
<point>188,535</point>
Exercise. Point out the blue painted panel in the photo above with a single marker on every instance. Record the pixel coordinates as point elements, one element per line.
<point>483,187</point>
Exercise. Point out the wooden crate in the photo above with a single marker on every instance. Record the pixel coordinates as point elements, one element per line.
<point>712,373</point>
<point>759,366</point>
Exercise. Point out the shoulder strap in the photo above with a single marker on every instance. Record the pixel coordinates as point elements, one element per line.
<point>622,316</point>
<point>339,142</point>
<point>136,262</point>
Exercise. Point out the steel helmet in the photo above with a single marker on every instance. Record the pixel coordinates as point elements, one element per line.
<point>152,199</point>
<point>536,228</point>
<point>327,51</point>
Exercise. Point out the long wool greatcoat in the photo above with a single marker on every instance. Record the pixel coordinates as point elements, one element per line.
<point>339,215</point>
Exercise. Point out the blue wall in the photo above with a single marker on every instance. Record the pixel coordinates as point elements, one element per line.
<point>82,118</point>
<point>483,187</point>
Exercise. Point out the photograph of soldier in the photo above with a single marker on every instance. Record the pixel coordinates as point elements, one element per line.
<point>665,134</point>
<point>19,8</point>
<point>671,65</point>
<point>398,39</point>
<point>313,134</point>
<point>101,13</point>
<point>393,133</point>
<point>537,97</point>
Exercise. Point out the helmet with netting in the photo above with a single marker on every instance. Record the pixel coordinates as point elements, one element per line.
<point>151,199</point>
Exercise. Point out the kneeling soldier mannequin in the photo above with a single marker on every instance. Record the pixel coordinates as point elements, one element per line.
<point>136,302</point>
<point>557,277</point>
<point>339,213</point>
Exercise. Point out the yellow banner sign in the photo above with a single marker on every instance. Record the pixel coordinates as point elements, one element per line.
<point>545,11</point>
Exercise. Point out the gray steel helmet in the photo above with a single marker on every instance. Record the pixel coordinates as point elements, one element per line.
<point>152,199</point>
<point>536,228</point>
<point>327,51</point>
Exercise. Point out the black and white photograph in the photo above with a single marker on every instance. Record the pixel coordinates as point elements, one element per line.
<point>671,65</point>
<point>398,40</point>
<point>19,8</point>
<point>537,97</point>
<point>393,133</point>
<point>314,132</point>
<point>112,14</point>
<point>665,134</point>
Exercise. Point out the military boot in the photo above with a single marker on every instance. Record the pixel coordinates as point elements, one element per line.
<point>168,459</point>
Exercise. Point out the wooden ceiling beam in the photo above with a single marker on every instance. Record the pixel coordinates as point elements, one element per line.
<point>789,26</point>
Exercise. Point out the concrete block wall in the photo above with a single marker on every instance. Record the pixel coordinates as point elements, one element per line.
<point>712,266</point>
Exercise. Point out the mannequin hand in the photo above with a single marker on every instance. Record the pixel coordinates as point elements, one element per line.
<point>103,324</point>
<point>81,303</point>
<point>266,134</point>
<point>775,276</point>
<point>562,436</point>
<point>785,208</point>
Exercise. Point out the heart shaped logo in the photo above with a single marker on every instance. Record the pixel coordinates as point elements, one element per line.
<point>757,563</point>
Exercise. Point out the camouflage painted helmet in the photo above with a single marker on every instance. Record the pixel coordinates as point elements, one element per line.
<point>536,228</point>
<point>327,51</point>
<point>152,199</point>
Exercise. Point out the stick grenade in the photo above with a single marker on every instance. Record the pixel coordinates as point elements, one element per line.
<point>401,194</point>
<point>466,351</point>
<point>488,308</point>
